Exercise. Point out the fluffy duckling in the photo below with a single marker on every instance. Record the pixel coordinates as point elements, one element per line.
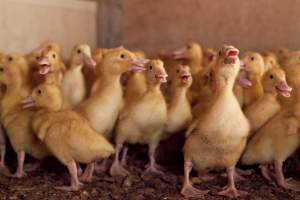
<point>219,137</point>
<point>103,106</point>
<point>179,109</point>
<point>262,110</point>
<point>192,55</point>
<point>276,141</point>
<point>282,54</point>
<point>73,83</point>
<point>66,134</point>
<point>55,46</point>
<point>144,120</point>
<point>270,61</point>
<point>16,120</point>
<point>51,66</point>
<point>253,68</point>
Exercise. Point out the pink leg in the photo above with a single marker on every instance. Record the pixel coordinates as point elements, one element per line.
<point>20,169</point>
<point>281,181</point>
<point>87,175</point>
<point>265,171</point>
<point>3,168</point>
<point>34,166</point>
<point>124,154</point>
<point>153,166</point>
<point>188,190</point>
<point>102,167</point>
<point>116,168</point>
<point>231,190</point>
<point>75,184</point>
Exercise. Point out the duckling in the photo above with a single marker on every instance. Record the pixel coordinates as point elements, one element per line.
<point>281,54</point>
<point>15,120</point>
<point>253,68</point>
<point>144,120</point>
<point>262,110</point>
<point>192,55</point>
<point>73,83</point>
<point>103,106</point>
<point>55,46</point>
<point>51,66</point>
<point>270,61</point>
<point>179,109</point>
<point>66,134</point>
<point>218,138</point>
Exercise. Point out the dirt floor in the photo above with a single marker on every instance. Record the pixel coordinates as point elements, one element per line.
<point>39,184</point>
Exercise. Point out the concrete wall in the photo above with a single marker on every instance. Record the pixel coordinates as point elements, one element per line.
<point>248,24</point>
<point>26,23</point>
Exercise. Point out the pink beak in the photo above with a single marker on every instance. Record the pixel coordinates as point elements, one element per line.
<point>243,81</point>
<point>138,64</point>
<point>179,54</point>
<point>88,60</point>
<point>28,102</point>
<point>284,89</point>
<point>161,76</point>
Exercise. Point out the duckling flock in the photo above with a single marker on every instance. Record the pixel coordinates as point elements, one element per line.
<point>88,108</point>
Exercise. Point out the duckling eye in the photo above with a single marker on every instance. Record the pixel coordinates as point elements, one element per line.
<point>299,57</point>
<point>177,70</point>
<point>37,58</point>
<point>10,58</point>
<point>189,46</point>
<point>271,76</point>
<point>54,56</point>
<point>39,91</point>
<point>78,51</point>
<point>1,69</point>
<point>150,67</point>
<point>252,58</point>
<point>122,56</point>
<point>219,53</point>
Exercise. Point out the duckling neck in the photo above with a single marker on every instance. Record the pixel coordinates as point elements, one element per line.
<point>153,88</point>
<point>179,98</point>
<point>76,68</point>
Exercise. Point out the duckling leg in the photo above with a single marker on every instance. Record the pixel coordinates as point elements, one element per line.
<point>153,166</point>
<point>231,190</point>
<point>34,166</point>
<point>265,171</point>
<point>124,154</point>
<point>87,175</point>
<point>20,169</point>
<point>116,168</point>
<point>281,181</point>
<point>188,190</point>
<point>102,167</point>
<point>75,184</point>
<point>3,167</point>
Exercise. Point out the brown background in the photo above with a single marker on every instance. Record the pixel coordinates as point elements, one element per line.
<point>150,24</point>
<point>248,24</point>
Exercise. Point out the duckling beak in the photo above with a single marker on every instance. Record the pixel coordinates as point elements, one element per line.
<point>88,60</point>
<point>185,77</point>
<point>179,54</point>
<point>44,64</point>
<point>243,81</point>
<point>231,55</point>
<point>28,102</point>
<point>161,76</point>
<point>138,63</point>
<point>284,89</point>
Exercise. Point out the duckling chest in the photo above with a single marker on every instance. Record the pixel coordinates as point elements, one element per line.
<point>151,112</point>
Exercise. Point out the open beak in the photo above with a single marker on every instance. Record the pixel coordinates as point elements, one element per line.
<point>231,55</point>
<point>284,89</point>
<point>28,102</point>
<point>243,81</point>
<point>44,66</point>
<point>138,64</point>
<point>179,54</point>
<point>88,60</point>
<point>161,76</point>
<point>185,77</point>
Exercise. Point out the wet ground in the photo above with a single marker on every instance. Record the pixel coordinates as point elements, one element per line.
<point>39,184</point>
